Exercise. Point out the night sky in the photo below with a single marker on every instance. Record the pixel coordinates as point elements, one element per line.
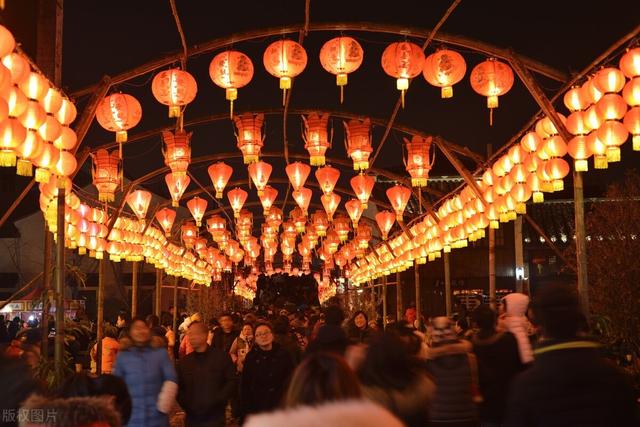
<point>110,37</point>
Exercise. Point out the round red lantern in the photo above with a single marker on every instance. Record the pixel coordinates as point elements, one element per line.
<point>341,56</point>
<point>630,62</point>
<point>492,79</point>
<point>30,148</point>
<point>174,88</point>
<point>579,150</point>
<point>443,69</point>
<point>404,61</point>
<point>231,70</point>
<point>7,42</point>
<point>632,123</point>
<point>12,134</point>
<point>631,92</point>
<point>118,113</point>
<point>285,59</point>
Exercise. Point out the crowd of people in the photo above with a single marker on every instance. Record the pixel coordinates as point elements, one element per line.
<point>531,364</point>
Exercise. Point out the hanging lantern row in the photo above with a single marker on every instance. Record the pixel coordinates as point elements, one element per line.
<point>34,119</point>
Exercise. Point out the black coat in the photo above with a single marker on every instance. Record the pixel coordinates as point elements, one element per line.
<point>206,381</point>
<point>264,378</point>
<point>570,386</point>
<point>498,363</point>
<point>223,340</point>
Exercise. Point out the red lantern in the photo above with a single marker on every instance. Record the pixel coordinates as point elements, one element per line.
<point>106,174</point>
<point>363,186</point>
<point>220,173</point>
<point>418,163</point>
<point>189,234</point>
<point>298,173</point>
<point>579,150</point>
<point>260,173</point>
<point>399,197</point>
<point>7,42</point>
<point>609,80</point>
<point>249,136</point>
<point>358,137</point>
<point>267,198</point>
<point>330,203</point>
<point>175,88</point>
<point>166,217</point>
<point>404,61</point>
<point>341,225</point>
<point>631,92</point>
<point>237,197</point>
<point>575,99</point>
<point>302,196</point>
<point>285,59</point>
<point>492,79</point>
<point>12,134</point>
<point>197,207</point>
<point>315,136</point>
<point>443,69</point>
<point>177,186</point>
<point>320,222</point>
<point>18,66</point>
<point>632,123</point>
<point>385,220</point>
<point>45,162</point>
<point>327,178</point>
<point>34,86</point>
<point>557,168</point>
<point>30,148</point>
<point>613,134</point>
<point>341,56</point>
<point>231,70</point>
<point>177,152</point>
<point>139,201</point>
<point>354,209</point>
<point>118,113</point>
<point>630,62</point>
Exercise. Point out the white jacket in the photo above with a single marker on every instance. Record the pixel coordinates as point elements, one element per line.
<point>517,323</point>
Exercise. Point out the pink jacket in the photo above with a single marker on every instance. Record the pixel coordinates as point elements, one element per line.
<point>515,321</point>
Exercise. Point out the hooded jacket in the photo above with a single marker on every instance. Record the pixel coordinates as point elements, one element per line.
<point>349,413</point>
<point>149,375</point>
<point>39,411</point>
<point>515,321</point>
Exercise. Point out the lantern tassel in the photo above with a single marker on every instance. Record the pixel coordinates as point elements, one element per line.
<point>341,94</point>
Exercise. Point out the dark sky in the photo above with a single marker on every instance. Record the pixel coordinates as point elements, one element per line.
<point>109,37</point>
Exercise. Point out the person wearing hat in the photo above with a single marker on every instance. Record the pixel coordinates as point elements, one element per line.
<point>453,368</point>
<point>570,383</point>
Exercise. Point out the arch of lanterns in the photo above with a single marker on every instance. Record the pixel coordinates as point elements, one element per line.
<point>35,120</point>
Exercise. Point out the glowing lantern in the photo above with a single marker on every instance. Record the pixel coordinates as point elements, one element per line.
<point>575,99</point>
<point>315,136</point>
<point>51,129</point>
<point>249,136</point>
<point>354,209</point>
<point>66,164</point>
<point>139,201</point>
<point>67,139</point>
<point>177,186</point>
<point>492,79</point>
<point>443,69</point>
<point>30,148</point>
<point>417,162</point>
<point>320,222</point>
<point>298,173</point>
<point>18,66</point>
<point>197,207</point>
<point>631,92</point>
<point>530,142</point>
<point>327,177</point>
<point>358,135</point>
<point>302,196</point>
<point>579,150</point>
<point>557,169</point>
<point>34,86</point>
<point>259,173</point>
<point>220,173</point>
<point>612,134</point>
<point>177,152</point>
<point>341,56</point>
<point>404,61</point>
<point>362,186</point>
<point>342,228</point>
<point>599,150</point>
<point>106,174</point>
<point>385,220</point>
<point>632,123</point>
<point>67,112</point>
<point>611,107</point>
<point>285,59</point>
<point>609,80</point>
<point>166,217</point>
<point>7,42</point>
<point>630,62</point>
<point>216,225</point>
<point>231,70</point>
<point>45,162</point>
<point>330,203</point>
<point>399,197</point>
<point>269,195</point>
<point>237,197</point>
<point>175,88</point>
<point>118,113</point>
<point>189,233</point>
<point>12,134</point>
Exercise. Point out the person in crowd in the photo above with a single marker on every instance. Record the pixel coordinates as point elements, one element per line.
<point>185,344</point>
<point>26,346</point>
<point>41,411</point>
<point>206,381</point>
<point>13,328</point>
<point>122,323</point>
<point>330,336</point>
<point>266,371</point>
<point>110,348</point>
<point>82,385</point>
<point>324,391</point>
<point>145,367</point>
<point>358,330</point>
<point>17,384</point>
<point>453,368</point>
<point>393,377</point>
<point>283,335</point>
<point>570,383</point>
<point>410,316</point>
<point>224,336</point>
<point>170,337</point>
<point>515,321</point>
<point>4,334</point>
<point>241,346</point>
<point>498,363</point>
<point>153,322</point>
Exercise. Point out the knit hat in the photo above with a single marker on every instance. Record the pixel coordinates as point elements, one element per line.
<point>442,330</point>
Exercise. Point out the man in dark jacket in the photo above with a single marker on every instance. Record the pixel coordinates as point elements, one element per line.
<point>206,381</point>
<point>224,336</point>
<point>498,363</point>
<point>569,384</point>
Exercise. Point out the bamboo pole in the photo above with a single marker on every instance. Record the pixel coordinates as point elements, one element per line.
<point>134,288</point>
<point>158,293</point>
<point>519,253</point>
<point>46,289</point>
<point>581,242</point>
<point>60,285</point>
<point>447,284</point>
<point>384,302</point>
<point>100,315</point>
<point>399,304</point>
<point>416,273</point>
